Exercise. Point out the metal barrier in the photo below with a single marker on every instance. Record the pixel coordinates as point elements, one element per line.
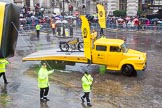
<point>151,27</point>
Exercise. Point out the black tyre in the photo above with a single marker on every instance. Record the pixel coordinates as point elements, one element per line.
<point>127,70</point>
<point>81,46</point>
<point>64,47</point>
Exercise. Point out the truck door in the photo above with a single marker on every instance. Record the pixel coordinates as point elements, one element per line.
<point>115,56</point>
<point>99,54</point>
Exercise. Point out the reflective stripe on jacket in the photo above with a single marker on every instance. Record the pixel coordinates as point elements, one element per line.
<point>3,63</point>
<point>87,82</point>
<point>43,77</point>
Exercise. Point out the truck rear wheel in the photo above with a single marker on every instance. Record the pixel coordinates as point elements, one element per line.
<point>127,70</point>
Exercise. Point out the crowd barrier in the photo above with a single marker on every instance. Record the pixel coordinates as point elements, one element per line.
<point>46,27</point>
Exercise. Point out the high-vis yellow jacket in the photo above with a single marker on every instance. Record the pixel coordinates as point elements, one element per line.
<point>38,27</point>
<point>87,82</point>
<point>3,63</point>
<point>43,77</point>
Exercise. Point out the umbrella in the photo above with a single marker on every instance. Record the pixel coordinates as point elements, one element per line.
<point>64,21</point>
<point>34,18</point>
<point>127,18</point>
<point>57,18</point>
<point>72,17</point>
<point>143,19</point>
<point>160,22</point>
<point>155,19</point>
<point>120,19</point>
<point>135,19</point>
<point>58,21</point>
<point>76,13</point>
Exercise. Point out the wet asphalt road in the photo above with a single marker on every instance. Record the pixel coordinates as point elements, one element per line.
<point>143,91</point>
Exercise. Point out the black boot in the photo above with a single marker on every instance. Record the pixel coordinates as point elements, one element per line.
<point>42,100</point>
<point>82,99</point>
<point>89,104</point>
<point>6,82</point>
<point>45,98</point>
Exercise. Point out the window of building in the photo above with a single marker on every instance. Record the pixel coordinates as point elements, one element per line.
<point>101,48</point>
<point>122,4</point>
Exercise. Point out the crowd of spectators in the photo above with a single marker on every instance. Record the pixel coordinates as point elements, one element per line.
<point>29,19</point>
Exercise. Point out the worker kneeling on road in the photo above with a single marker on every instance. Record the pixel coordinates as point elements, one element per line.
<point>86,85</point>
<point>43,82</point>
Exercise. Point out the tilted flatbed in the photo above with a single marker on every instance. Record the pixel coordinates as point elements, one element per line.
<point>56,54</point>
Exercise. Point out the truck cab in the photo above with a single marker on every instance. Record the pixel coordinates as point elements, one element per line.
<point>114,54</point>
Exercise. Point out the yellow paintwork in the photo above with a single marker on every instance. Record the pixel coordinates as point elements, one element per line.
<point>59,58</point>
<point>85,28</point>
<point>101,16</point>
<point>115,60</point>
<point>2,12</point>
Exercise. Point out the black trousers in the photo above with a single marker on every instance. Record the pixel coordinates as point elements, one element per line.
<point>44,92</point>
<point>86,95</point>
<point>4,76</point>
<point>101,31</point>
<point>38,33</point>
<point>53,30</point>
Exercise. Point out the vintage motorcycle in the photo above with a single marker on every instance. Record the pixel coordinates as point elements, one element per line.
<point>72,45</point>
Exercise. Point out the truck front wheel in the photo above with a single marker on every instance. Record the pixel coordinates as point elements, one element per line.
<point>127,70</point>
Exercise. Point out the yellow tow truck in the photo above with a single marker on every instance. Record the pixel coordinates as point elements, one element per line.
<point>113,53</point>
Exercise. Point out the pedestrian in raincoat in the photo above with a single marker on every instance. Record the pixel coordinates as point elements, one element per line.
<point>43,82</point>
<point>86,85</point>
<point>53,26</point>
<point>38,27</point>
<point>3,63</point>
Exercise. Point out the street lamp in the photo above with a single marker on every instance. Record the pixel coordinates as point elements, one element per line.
<point>63,9</point>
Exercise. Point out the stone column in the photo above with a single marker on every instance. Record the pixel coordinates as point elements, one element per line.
<point>31,5</point>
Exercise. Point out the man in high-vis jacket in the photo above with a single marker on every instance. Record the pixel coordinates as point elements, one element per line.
<point>86,85</point>
<point>43,82</point>
<point>38,27</point>
<point>3,63</point>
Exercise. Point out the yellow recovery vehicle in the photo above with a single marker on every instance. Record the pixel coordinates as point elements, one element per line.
<point>112,53</point>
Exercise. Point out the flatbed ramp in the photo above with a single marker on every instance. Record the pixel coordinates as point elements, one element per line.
<point>56,54</point>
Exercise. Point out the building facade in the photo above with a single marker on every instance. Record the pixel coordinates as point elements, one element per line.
<point>131,6</point>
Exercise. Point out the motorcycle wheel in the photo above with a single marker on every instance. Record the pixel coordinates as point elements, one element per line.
<point>81,46</point>
<point>64,47</point>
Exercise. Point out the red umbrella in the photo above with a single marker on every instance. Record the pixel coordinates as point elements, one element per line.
<point>76,13</point>
<point>135,19</point>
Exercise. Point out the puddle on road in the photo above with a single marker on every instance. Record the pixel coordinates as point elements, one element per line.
<point>5,99</point>
<point>110,87</point>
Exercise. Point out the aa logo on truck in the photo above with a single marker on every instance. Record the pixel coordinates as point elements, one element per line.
<point>85,32</point>
<point>101,13</point>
